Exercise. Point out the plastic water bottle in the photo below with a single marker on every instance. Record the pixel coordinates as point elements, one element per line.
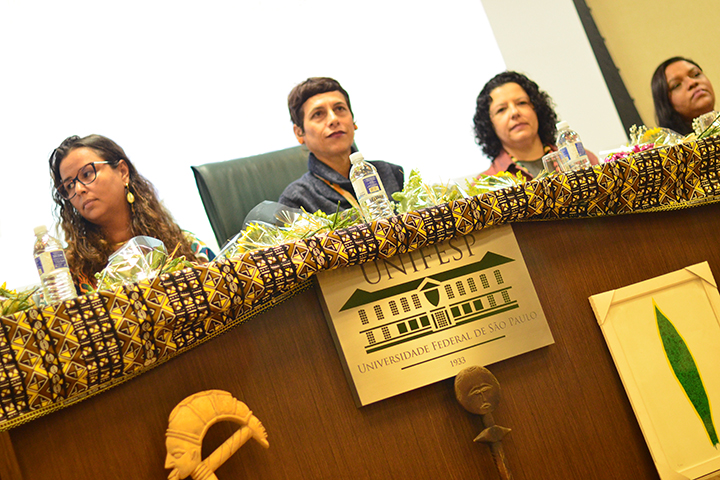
<point>571,148</point>
<point>369,190</point>
<point>53,268</point>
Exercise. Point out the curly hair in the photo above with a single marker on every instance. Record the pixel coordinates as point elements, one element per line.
<point>485,135</point>
<point>308,89</point>
<point>88,250</point>
<point>665,113</point>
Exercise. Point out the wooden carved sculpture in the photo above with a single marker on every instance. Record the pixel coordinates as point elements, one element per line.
<point>479,392</point>
<point>189,422</point>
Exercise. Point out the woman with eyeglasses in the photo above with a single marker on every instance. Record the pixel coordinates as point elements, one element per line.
<point>102,202</point>
<point>515,125</point>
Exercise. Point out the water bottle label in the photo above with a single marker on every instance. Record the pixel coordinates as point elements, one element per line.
<point>565,154</point>
<point>580,149</point>
<point>58,259</point>
<point>371,184</point>
<point>574,156</point>
<point>367,186</point>
<point>49,261</point>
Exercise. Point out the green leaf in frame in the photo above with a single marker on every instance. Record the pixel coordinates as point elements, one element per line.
<point>686,371</point>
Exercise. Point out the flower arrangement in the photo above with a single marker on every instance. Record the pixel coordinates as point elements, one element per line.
<point>489,183</point>
<point>139,259</point>
<point>707,125</point>
<point>416,194</point>
<point>12,301</point>
<point>643,138</point>
<point>657,136</point>
<point>296,225</point>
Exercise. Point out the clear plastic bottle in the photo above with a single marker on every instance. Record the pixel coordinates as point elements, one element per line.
<point>571,148</point>
<point>369,189</point>
<point>53,267</point>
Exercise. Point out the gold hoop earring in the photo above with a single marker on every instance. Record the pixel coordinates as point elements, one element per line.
<point>129,195</point>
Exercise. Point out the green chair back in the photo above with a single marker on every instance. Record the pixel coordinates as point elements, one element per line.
<point>230,189</point>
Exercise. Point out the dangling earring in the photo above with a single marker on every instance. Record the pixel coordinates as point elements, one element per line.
<point>129,195</point>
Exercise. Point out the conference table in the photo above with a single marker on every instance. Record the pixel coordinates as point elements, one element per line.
<point>255,327</point>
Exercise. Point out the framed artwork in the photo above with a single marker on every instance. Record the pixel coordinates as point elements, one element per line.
<point>664,337</point>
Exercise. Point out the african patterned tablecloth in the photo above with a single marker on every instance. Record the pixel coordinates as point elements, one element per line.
<point>60,354</point>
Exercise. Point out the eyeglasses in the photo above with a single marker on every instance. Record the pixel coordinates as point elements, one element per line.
<point>86,175</point>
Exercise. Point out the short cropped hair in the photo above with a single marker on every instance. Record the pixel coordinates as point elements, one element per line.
<point>308,89</point>
<point>665,113</point>
<point>485,135</point>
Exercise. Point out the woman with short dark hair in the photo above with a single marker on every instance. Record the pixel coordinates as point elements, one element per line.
<point>323,121</point>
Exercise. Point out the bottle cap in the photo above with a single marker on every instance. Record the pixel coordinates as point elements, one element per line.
<point>562,125</point>
<point>40,230</point>
<point>356,157</point>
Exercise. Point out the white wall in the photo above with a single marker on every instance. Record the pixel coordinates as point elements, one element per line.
<point>185,83</point>
<point>546,41</point>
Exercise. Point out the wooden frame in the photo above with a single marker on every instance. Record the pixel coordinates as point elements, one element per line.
<point>663,335</point>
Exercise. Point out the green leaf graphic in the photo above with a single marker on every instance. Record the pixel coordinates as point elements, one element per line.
<point>686,371</point>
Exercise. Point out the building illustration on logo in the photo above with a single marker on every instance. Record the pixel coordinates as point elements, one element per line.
<point>424,306</point>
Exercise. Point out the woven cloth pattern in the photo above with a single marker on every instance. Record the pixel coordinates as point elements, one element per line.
<point>54,356</point>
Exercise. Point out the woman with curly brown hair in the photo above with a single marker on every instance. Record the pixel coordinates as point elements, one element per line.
<point>515,125</point>
<point>102,202</point>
